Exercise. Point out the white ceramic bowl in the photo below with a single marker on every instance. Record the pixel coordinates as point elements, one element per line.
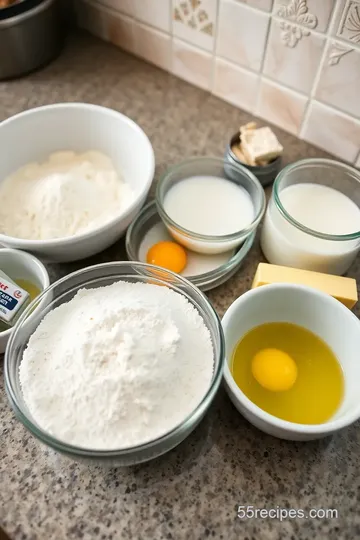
<point>321,314</point>
<point>20,265</point>
<point>34,134</point>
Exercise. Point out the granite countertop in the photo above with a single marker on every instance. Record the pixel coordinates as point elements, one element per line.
<point>192,492</point>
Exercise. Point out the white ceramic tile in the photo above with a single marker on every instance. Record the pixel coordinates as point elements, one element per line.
<point>281,106</point>
<point>293,59</point>
<point>120,31</point>
<point>192,64</point>
<point>152,45</point>
<point>236,85</point>
<point>265,5</point>
<point>124,6</point>
<point>91,17</point>
<point>195,21</point>
<point>241,34</point>
<point>333,131</point>
<point>339,83</point>
<point>312,14</point>
<point>153,12</point>
<point>347,24</point>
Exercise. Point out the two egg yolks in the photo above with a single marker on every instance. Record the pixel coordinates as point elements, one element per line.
<point>274,370</point>
<point>168,255</point>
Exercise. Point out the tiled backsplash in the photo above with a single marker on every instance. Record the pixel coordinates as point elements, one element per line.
<point>295,63</point>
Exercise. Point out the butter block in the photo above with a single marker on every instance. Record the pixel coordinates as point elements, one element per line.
<point>260,144</point>
<point>342,288</point>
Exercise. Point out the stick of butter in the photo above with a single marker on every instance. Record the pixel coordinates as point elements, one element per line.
<point>342,288</point>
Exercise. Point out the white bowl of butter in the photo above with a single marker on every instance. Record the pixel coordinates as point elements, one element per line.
<point>78,177</point>
<point>28,272</point>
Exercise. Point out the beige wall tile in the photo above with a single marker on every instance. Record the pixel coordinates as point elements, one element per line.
<point>191,64</point>
<point>91,18</point>
<point>154,12</point>
<point>120,31</point>
<point>339,82</point>
<point>235,84</point>
<point>152,45</point>
<point>333,131</point>
<point>265,5</point>
<point>292,59</point>
<point>124,6</point>
<point>281,106</point>
<point>312,14</point>
<point>241,34</point>
<point>195,21</point>
<point>347,23</point>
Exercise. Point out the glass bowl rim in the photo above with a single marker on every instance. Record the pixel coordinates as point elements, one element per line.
<point>74,450</point>
<point>196,280</point>
<point>207,237</point>
<point>303,163</point>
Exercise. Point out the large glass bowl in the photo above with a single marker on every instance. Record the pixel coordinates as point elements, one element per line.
<point>63,291</point>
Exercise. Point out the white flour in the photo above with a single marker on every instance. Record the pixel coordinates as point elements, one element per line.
<point>117,366</point>
<point>68,194</point>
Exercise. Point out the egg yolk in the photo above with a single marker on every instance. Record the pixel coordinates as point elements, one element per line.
<point>274,370</point>
<point>168,255</point>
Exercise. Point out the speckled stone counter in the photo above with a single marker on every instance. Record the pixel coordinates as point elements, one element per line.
<point>194,491</point>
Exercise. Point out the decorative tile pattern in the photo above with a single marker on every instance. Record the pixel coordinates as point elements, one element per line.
<point>311,14</point>
<point>296,11</point>
<point>349,25</point>
<point>281,106</point>
<point>336,52</point>
<point>236,85</point>
<point>333,131</point>
<point>191,64</point>
<point>228,47</point>
<point>339,82</point>
<point>241,34</point>
<point>195,21</point>
<point>295,67</point>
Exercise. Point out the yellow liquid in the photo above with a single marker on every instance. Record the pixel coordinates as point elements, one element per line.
<point>33,291</point>
<point>319,386</point>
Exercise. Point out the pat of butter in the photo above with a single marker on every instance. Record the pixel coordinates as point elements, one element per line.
<point>260,144</point>
<point>342,288</point>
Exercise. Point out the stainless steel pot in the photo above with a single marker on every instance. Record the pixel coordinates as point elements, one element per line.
<point>30,38</point>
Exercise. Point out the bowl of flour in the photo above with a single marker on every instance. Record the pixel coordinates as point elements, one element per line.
<point>78,177</point>
<point>119,366</point>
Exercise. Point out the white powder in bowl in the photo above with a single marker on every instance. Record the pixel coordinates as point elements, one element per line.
<point>117,366</point>
<point>67,195</point>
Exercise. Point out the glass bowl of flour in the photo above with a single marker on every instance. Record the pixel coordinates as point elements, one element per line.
<point>119,366</point>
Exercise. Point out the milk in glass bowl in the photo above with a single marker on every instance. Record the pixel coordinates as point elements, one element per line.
<point>313,217</point>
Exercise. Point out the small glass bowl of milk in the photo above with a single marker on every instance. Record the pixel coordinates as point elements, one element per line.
<point>313,217</point>
<point>208,205</point>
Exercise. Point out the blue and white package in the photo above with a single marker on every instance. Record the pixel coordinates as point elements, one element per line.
<point>12,299</point>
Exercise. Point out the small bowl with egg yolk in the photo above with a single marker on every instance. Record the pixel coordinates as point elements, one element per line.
<point>315,312</point>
